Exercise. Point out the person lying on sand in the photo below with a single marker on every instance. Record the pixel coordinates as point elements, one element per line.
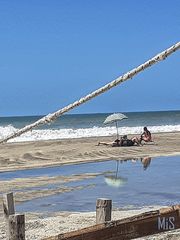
<point>116,143</point>
<point>123,142</point>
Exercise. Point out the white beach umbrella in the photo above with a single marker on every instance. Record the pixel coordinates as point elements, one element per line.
<point>114,118</point>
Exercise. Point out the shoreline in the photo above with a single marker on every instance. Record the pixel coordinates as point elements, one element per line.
<point>50,153</point>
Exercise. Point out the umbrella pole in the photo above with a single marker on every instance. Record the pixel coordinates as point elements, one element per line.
<point>117,130</point>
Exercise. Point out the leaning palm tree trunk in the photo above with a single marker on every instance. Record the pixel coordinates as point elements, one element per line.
<point>51,117</point>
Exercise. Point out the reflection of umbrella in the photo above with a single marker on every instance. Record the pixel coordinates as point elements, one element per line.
<point>115,118</point>
<point>115,181</point>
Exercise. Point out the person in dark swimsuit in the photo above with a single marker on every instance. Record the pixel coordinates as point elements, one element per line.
<point>122,142</point>
<point>125,142</point>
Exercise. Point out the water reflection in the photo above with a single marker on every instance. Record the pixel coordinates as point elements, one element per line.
<point>146,162</point>
<point>119,181</point>
<point>115,180</point>
<point>131,182</point>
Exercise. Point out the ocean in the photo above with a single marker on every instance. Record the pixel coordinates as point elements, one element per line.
<point>90,125</point>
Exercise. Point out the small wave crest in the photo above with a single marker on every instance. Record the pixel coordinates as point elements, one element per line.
<point>52,134</point>
<point>6,131</point>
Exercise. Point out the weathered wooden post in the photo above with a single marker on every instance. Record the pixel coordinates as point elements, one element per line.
<point>16,225</point>
<point>15,222</point>
<point>103,210</point>
<point>8,204</point>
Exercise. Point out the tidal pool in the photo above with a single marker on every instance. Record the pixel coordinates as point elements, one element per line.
<point>130,184</point>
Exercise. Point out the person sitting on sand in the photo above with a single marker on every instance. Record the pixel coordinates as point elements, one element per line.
<point>146,136</point>
<point>123,142</point>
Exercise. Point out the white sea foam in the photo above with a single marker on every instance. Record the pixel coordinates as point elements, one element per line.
<point>48,134</point>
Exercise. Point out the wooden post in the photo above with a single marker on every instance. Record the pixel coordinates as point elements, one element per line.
<point>16,224</point>
<point>103,210</point>
<point>8,205</point>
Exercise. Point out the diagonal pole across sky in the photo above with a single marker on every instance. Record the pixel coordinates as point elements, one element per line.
<point>129,75</point>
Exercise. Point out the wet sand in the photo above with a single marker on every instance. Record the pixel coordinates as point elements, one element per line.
<point>26,189</point>
<point>30,155</point>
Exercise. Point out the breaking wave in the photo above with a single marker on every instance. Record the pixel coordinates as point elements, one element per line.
<point>50,134</point>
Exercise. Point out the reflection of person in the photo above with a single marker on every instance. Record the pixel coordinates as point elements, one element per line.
<point>146,136</point>
<point>146,162</point>
<point>123,142</point>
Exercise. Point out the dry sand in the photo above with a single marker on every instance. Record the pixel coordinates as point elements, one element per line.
<point>27,155</point>
<point>38,228</point>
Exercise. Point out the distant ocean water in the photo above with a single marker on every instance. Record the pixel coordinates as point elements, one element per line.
<point>90,125</point>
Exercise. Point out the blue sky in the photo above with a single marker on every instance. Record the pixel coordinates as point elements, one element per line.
<point>54,52</point>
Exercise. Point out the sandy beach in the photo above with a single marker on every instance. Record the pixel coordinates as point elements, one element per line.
<point>38,228</point>
<point>30,155</point>
<point>26,155</point>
